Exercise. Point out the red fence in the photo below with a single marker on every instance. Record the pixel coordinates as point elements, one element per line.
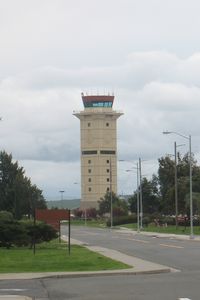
<point>52,216</point>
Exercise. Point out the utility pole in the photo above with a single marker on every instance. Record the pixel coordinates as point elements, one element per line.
<point>176,186</point>
<point>111,200</point>
<point>138,201</point>
<point>141,204</point>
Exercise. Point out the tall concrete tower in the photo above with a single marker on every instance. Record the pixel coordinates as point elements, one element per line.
<point>98,125</point>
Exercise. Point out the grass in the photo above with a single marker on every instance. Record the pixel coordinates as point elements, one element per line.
<point>168,229</point>
<point>53,257</point>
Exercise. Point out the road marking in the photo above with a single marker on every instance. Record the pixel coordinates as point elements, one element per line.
<point>13,290</point>
<point>172,246</point>
<point>184,299</point>
<point>140,241</point>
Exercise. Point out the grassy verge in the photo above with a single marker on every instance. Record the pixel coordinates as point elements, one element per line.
<point>168,229</point>
<point>53,257</point>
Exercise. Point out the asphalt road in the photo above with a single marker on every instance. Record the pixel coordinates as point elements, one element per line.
<point>178,254</point>
<point>182,255</point>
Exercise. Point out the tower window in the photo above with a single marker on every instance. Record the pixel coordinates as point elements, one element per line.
<point>107,124</point>
<point>89,124</point>
<point>107,161</point>
<point>108,189</point>
<point>89,161</point>
<point>89,189</point>
<point>107,170</point>
<point>89,179</point>
<point>89,170</point>
<point>108,179</point>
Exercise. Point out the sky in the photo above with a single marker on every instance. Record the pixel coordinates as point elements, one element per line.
<point>146,52</point>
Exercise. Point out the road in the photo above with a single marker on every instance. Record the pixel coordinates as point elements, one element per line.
<point>181,255</point>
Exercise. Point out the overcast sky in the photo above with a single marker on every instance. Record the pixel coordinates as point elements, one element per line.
<point>147,52</point>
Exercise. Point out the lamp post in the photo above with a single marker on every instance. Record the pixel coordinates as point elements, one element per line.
<point>176,184</point>
<point>138,198</point>
<point>190,176</point>
<point>85,209</point>
<point>111,200</point>
<point>141,202</point>
<point>138,195</point>
<point>61,198</point>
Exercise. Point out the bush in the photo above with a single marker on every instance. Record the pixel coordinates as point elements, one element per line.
<point>40,232</point>
<point>122,220</point>
<point>15,233</point>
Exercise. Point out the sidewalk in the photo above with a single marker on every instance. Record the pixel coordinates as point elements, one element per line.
<point>139,266</point>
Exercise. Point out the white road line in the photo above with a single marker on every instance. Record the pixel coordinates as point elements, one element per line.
<point>130,239</point>
<point>184,299</point>
<point>140,241</point>
<point>13,290</point>
<point>172,246</point>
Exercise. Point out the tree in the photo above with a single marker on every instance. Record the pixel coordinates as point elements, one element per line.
<point>150,196</point>
<point>167,186</point>
<point>17,194</point>
<point>119,206</point>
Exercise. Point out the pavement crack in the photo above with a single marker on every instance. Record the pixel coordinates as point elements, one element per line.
<point>47,296</point>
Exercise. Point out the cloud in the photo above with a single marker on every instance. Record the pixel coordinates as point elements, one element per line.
<point>156,90</point>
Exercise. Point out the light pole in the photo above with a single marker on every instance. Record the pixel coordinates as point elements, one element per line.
<point>141,202</point>
<point>111,200</point>
<point>190,176</point>
<point>85,210</point>
<point>61,197</point>
<point>176,184</point>
<point>138,198</point>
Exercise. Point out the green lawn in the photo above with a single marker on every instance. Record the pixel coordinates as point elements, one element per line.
<point>168,229</point>
<point>53,257</point>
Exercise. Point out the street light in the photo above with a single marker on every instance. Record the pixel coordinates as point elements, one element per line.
<point>190,175</point>
<point>61,198</point>
<point>176,185</point>
<point>111,200</point>
<point>138,197</point>
<point>85,210</point>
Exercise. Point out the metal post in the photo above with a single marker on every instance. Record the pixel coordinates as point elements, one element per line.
<point>111,200</point>
<point>141,204</point>
<point>69,233</point>
<point>34,223</point>
<point>85,216</point>
<point>138,202</point>
<point>176,189</point>
<point>191,201</point>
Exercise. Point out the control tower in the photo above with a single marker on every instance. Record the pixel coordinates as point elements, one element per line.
<point>98,125</point>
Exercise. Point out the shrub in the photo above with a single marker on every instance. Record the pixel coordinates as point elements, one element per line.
<point>122,220</point>
<point>40,232</point>
<point>13,233</point>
